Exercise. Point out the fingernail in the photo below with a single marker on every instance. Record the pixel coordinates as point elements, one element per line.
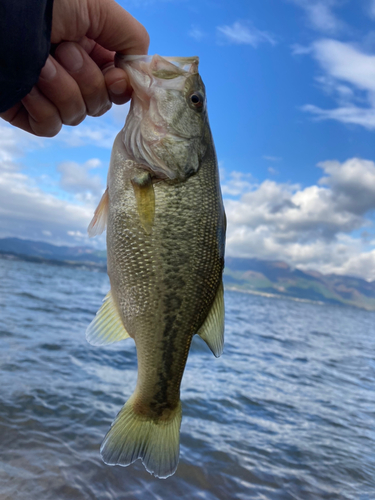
<point>48,71</point>
<point>71,58</point>
<point>119,87</point>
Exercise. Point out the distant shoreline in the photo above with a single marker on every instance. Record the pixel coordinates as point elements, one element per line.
<point>90,266</point>
<point>275,295</point>
<point>260,278</point>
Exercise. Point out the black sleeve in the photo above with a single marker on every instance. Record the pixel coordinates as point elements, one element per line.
<point>25,38</point>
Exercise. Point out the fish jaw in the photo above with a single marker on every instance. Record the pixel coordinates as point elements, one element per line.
<point>163,130</point>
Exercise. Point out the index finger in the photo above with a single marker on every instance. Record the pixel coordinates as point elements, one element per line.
<point>116,79</point>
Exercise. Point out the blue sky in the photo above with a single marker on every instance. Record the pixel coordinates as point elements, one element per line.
<point>291,100</point>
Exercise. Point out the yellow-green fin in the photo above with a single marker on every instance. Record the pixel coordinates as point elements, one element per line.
<point>212,330</point>
<point>99,221</point>
<point>145,196</point>
<point>156,443</point>
<point>107,326</point>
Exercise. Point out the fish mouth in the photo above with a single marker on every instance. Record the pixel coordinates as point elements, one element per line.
<point>146,72</point>
<point>184,64</point>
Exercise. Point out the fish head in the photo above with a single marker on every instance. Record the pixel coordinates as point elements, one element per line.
<point>167,128</point>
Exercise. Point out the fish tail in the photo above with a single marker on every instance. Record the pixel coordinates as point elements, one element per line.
<point>156,443</point>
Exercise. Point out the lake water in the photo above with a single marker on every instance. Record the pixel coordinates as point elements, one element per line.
<point>287,412</point>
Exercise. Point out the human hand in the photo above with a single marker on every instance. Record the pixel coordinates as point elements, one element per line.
<point>81,78</point>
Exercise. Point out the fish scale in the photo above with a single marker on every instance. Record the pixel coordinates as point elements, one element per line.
<point>179,247</point>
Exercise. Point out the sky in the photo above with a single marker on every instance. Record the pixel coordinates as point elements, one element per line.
<point>291,102</point>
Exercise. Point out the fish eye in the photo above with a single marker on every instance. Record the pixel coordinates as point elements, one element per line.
<point>197,100</point>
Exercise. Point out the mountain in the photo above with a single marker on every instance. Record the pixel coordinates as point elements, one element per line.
<point>38,251</point>
<point>258,276</point>
<point>279,279</point>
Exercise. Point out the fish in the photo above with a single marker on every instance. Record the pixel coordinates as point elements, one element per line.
<point>165,221</point>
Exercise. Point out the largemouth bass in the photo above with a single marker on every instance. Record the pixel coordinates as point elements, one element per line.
<point>165,243</point>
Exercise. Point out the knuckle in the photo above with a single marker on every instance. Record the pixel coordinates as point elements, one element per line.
<point>101,110</point>
<point>52,132</point>
<point>48,114</point>
<point>47,130</point>
<point>96,98</point>
<point>11,114</point>
<point>76,119</point>
<point>96,88</point>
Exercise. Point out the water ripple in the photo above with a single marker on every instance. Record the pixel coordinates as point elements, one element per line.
<point>286,413</point>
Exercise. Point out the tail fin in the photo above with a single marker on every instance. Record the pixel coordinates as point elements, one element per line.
<point>132,436</point>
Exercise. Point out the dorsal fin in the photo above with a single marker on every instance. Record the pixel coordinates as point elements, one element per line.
<point>107,326</point>
<point>212,330</point>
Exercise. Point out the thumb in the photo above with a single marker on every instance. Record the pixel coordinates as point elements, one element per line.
<point>115,29</point>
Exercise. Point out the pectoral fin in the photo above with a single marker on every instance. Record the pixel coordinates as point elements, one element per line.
<point>99,221</point>
<point>212,330</point>
<point>145,196</point>
<point>107,326</point>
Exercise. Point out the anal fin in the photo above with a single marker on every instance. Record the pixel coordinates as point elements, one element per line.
<point>212,330</point>
<point>107,326</point>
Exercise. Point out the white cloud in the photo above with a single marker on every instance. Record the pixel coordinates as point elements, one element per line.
<point>371,9</point>
<point>272,171</point>
<point>298,50</point>
<point>293,213</point>
<point>13,144</point>
<point>76,178</point>
<point>362,264</point>
<point>332,87</point>
<point>272,158</point>
<point>346,62</point>
<point>310,227</point>
<point>238,184</point>
<point>349,76</point>
<point>97,135</point>
<point>352,183</point>
<point>77,234</point>
<point>350,115</point>
<point>320,14</point>
<point>242,33</point>
<point>322,17</point>
<point>97,132</point>
<point>196,33</point>
<point>340,256</point>
<point>117,114</point>
<point>28,211</point>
